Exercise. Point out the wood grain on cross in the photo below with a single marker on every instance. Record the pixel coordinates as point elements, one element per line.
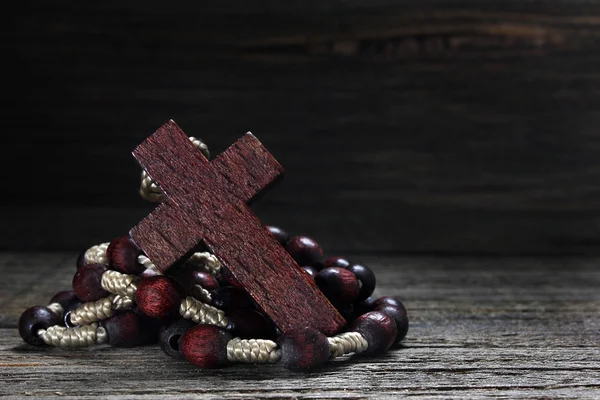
<point>206,204</point>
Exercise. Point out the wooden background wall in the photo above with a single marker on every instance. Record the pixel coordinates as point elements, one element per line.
<point>409,126</point>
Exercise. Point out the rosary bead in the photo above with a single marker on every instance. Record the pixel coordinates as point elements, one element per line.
<point>340,286</point>
<point>336,262</point>
<point>80,259</point>
<point>391,300</point>
<point>231,298</point>
<point>32,320</point>
<point>65,298</point>
<point>281,235</point>
<point>304,250</point>
<point>169,335</point>
<point>363,307</point>
<point>188,276</point>
<point>158,297</point>
<point>127,329</point>
<point>303,349</point>
<point>205,346</point>
<point>148,273</point>
<point>366,278</point>
<point>227,279</point>
<point>400,318</point>
<point>87,282</point>
<point>122,254</point>
<point>378,329</point>
<point>310,271</point>
<point>249,324</point>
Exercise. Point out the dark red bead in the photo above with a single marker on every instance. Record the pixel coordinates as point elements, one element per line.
<point>400,318</point>
<point>169,335</point>
<point>227,279</point>
<point>80,260</point>
<point>188,276</point>
<point>391,300</point>
<point>336,262</point>
<point>340,286</point>
<point>87,282</point>
<point>127,329</point>
<point>304,250</point>
<point>281,235</point>
<point>158,297</point>
<point>366,277</point>
<point>363,307</point>
<point>303,349</point>
<point>231,298</point>
<point>378,329</point>
<point>122,254</point>
<point>148,273</point>
<point>33,319</point>
<point>310,271</point>
<point>205,346</point>
<point>65,298</point>
<point>249,324</point>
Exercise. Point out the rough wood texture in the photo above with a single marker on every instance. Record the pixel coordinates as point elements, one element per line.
<point>406,121</point>
<point>503,328</point>
<point>206,205</point>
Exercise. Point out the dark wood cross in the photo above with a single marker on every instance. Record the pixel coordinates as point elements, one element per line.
<point>206,203</point>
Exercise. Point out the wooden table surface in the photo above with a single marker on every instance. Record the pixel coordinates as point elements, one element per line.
<point>480,327</point>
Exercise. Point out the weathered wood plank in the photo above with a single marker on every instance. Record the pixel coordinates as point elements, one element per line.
<point>480,327</point>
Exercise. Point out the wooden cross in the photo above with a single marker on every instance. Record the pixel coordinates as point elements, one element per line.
<point>206,203</point>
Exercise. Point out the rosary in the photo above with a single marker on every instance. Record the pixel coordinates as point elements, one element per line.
<point>255,296</point>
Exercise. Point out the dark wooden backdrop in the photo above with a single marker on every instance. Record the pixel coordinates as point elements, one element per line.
<point>410,126</point>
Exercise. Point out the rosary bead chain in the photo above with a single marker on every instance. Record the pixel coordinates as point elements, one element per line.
<point>118,283</point>
<point>78,336</point>
<point>57,309</point>
<point>253,351</point>
<point>346,343</point>
<point>202,313</point>
<point>100,309</point>
<point>96,254</point>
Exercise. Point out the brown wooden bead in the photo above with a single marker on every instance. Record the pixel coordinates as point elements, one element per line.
<point>231,298</point>
<point>310,271</point>
<point>391,300</point>
<point>303,349</point>
<point>127,329</point>
<point>80,260</point>
<point>339,285</point>
<point>87,282</point>
<point>158,297</point>
<point>227,279</point>
<point>304,250</point>
<point>281,235</point>
<point>122,254</point>
<point>205,346</point>
<point>363,307</point>
<point>378,329</point>
<point>366,277</point>
<point>169,335</point>
<point>189,275</point>
<point>249,324</point>
<point>400,318</point>
<point>336,262</point>
<point>32,320</point>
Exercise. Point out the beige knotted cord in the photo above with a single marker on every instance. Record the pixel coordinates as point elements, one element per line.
<point>150,191</point>
<point>118,283</point>
<point>57,309</point>
<point>253,351</point>
<point>99,309</point>
<point>208,261</point>
<point>78,336</point>
<point>96,254</point>
<point>147,263</point>
<point>202,313</point>
<point>346,343</point>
